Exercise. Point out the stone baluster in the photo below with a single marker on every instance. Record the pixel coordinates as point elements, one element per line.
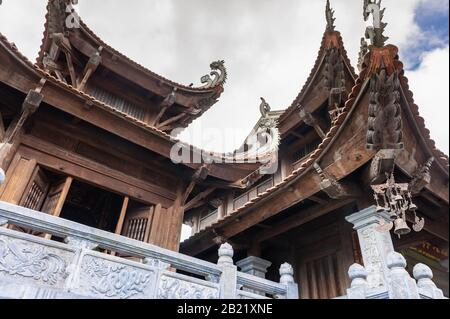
<point>401,285</point>
<point>228,278</point>
<point>287,278</point>
<point>74,268</point>
<point>359,286</point>
<point>425,284</point>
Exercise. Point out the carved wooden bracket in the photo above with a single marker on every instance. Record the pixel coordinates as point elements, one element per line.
<point>421,177</point>
<point>309,120</point>
<point>382,164</point>
<point>29,106</point>
<point>91,66</point>
<point>200,175</point>
<point>333,188</point>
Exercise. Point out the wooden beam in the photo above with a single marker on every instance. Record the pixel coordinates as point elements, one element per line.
<point>198,198</point>
<point>73,76</point>
<point>318,200</point>
<point>299,219</point>
<point>162,126</point>
<point>90,68</point>
<point>2,128</point>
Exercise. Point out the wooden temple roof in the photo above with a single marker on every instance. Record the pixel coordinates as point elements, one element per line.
<point>190,102</point>
<point>304,182</point>
<point>331,39</point>
<point>79,104</point>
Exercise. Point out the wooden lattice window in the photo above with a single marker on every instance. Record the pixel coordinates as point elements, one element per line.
<point>37,190</point>
<point>136,228</point>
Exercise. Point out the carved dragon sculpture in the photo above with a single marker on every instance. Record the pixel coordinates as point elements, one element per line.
<point>375,32</point>
<point>329,14</point>
<point>218,74</point>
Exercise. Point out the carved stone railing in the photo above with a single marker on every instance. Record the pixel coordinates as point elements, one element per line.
<point>400,285</point>
<point>79,267</point>
<point>384,274</point>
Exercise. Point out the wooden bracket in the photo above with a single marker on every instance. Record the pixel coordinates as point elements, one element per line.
<point>383,163</point>
<point>165,105</point>
<point>200,175</point>
<point>91,66</point>
<point>333,188</point>
<point>421,177</point>
<point>309,120</point>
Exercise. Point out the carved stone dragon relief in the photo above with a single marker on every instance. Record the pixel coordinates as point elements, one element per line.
<point>108,279</point>
<point>33,261</point>
<point>173,288</point>
<point>385,121</point>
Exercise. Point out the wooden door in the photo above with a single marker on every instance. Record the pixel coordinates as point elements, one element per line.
<point>56,197</point>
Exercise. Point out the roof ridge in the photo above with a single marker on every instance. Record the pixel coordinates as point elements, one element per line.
<point>314,70</point>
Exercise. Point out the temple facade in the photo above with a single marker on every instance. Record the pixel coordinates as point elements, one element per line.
<point>85,137</point>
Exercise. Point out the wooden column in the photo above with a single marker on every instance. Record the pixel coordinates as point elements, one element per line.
<point>123,213</point>
<point>17,178</point>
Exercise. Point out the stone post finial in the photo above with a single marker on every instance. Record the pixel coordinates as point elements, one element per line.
<point>358,275</point>
<point>401,285</point>
<point>425,284</point>
<point>287,278</point>
<point>286,273</point>
<point>396,261</point>
<point>226,254</point>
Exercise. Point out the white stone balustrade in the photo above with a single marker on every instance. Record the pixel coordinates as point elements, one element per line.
<point>35,267</point>
<point>384,274</point>
<point>359,286</point>
<point>427,288</point>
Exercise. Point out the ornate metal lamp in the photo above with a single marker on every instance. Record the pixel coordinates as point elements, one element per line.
<point>396,199</point>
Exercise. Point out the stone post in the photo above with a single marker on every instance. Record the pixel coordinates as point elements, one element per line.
<point>358,289</point>
<point>287,278</point>
<point>254,266</point>
<point>375,245</point>
<point>228,278</point>
<point>425,284</point>
<point>401,285</point>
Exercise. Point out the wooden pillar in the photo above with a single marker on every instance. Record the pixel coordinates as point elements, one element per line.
<point>17,178</point>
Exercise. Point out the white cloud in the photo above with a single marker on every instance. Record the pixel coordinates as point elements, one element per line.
<point>430,85</point>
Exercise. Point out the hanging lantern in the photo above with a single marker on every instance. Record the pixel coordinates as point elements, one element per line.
<point>396,199</point>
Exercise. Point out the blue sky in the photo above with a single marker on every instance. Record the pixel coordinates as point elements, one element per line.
<point>432,17</point>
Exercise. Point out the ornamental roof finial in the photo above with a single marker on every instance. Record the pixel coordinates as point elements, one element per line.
<point>329,14</point>
<point>375,32</point>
